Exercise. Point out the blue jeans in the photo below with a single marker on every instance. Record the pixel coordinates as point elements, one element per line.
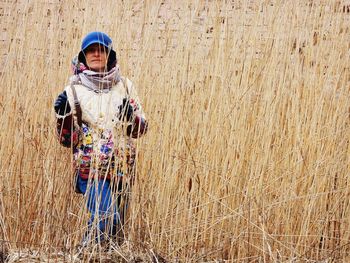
<point>102,206</point>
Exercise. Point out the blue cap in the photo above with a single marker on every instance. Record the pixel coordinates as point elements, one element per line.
<point>96,38</point>
<point>101,38</point>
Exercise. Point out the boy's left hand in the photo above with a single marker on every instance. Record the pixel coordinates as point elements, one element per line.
<point>126,111</point>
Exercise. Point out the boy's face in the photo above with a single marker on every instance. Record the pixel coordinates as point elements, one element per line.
<point>96,57</point>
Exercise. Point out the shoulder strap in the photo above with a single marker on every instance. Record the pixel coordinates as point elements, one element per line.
<point>77,107</point>
<point>125,86</point>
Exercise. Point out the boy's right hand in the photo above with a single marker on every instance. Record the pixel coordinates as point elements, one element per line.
<point>62,106</point>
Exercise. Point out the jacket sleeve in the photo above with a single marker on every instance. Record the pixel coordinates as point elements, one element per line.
<point>138,128</point>
<point>140,125</point>
<point>65,130</point>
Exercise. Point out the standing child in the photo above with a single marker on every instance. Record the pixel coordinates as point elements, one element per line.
<point>99,116</point>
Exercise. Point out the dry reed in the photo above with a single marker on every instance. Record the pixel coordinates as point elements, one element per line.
<point>247,156</point>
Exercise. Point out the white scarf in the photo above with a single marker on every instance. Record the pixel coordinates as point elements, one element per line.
<point>97,81</point>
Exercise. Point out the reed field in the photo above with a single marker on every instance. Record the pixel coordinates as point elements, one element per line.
<point>247,156</point>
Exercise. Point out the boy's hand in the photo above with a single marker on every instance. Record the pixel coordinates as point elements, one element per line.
<point>61,104</point>
<point>126,111</point>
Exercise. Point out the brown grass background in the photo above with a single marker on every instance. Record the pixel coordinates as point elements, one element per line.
<point>247,155</point>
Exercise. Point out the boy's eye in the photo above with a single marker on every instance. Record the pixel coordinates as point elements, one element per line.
<point>94,49</point>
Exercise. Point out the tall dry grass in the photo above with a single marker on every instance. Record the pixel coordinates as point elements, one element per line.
<point>247,155</point>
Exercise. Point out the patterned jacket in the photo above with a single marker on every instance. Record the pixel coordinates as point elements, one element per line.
<point>104,143</point>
